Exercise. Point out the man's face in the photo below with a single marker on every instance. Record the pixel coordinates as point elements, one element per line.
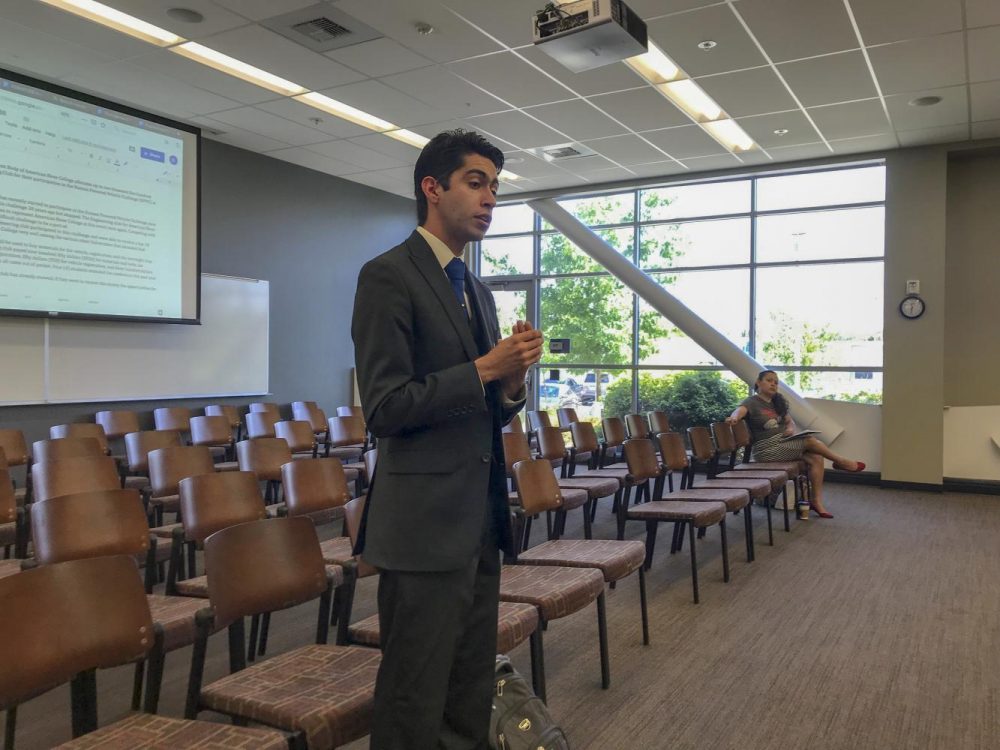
<point>466,207</point>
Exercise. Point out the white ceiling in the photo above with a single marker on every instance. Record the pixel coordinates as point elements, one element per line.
<point>838,75</point>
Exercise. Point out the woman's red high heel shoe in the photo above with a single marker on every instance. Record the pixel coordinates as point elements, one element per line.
<point>840,467</point>
<point>818,512</point>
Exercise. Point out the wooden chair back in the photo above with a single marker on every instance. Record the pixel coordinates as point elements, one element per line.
<point>308,411</point>
<point>354,511</point>
<point>537,486</point>
<point>346,431</point>
<point>81,430</point>
<point>701,443</point>
<point>350,411</point>
<point>313,486</point>
<point>210,502</point>
<point>89,524</point>
<point>641,458</point>
<point>567,416</point>
<point>672,450</point>
<point>56,449</point>
<point>260,424</point>
<point>172,418</point>
<point>139,444</point>
<point>370,458</point>
<point>584,437</point>
<point>72,617</point>
<point>551,445</point>
<point>298,434</point>
<point>263,457</point>
<point>723,434</point>
<point>15,448</point>
<point>117,423</point>
<point>168,466</point>
<point>67,476</point>
<point>211,430</point>
<point>638,428</point>
<point>515,448</point>
<point>614,431</point>
<point>538,419</point>
<point>658,422</point>
<point>266,407</point>
<point>229,411</point>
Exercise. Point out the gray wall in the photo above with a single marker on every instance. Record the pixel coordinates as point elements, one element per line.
<point>971,346</point>
<point>308,234</point>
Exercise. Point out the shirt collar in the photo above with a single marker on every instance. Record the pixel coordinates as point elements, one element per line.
<point>441,251</point>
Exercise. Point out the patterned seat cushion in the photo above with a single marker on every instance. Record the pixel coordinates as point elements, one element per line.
<point>756,487</point>
<point>573,498</point>
<point>614,559</point>
<point>325,691</point>
<point>166,531</point>
<point>556,592</point>
<point>595,486</point>
<point>515,624</point>
<point>150,732</point>
<point>198,586</point>
<point>776,478</point>
<point>792,468</point>
<point>176,615</point>
<point>136,483</point>
<point>9,567</point>
<point>169,503</point>
<point>699,513</point>
<point>337,550</point>
<point>346,452</point>
<point>8,534</point>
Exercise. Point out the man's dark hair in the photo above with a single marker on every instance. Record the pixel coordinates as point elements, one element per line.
<point>442,155</point>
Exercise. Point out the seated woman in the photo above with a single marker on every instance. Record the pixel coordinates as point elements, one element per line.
<point>771,424</point>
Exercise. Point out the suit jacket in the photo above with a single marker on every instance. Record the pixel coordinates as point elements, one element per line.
<point>440,460</point>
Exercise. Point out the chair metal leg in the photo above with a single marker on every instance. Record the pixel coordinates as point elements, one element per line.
<point>83,700</point>
<point>642,606</point>
<point>252,645</point>
<point>694,561</point>
<point>602,634</point>
<point>680,536</point>
<point>725,551</point>
<point>651,527</point>
<point>265,626</point>
<point>748,526</point>
<point>770,529</point>
<point>237,657</point>
<point>784,504</point>
<point>140,673</point>
<point>10,727</point>
<point>154,679</point>
<point>588,532</point>
<point>538,662</point>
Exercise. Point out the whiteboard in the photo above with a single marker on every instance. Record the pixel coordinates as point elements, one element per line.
<point>22,360</point>
<point>88,360</point>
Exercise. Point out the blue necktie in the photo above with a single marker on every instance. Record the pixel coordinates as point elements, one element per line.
<point>456,274</point>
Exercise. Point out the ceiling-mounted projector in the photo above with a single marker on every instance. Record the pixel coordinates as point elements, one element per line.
<point>590,33</point>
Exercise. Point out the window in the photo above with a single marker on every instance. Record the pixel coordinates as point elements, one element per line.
<point>788,267</point>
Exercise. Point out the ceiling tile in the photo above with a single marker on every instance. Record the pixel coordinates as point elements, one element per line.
<point>641,109</point>
<point>39,54</point>
<point>933,62</point>
<point>216,18</point>
<point>585,165</point>
<point>449,95</point>
<point>509,78</point>
<point>305,115</point>
<point>648,9</point>
<point>312,160</point>
<point>756,157</point>
<point>626,150</point>
<point>748,92</point>
<point>851,119</point>
<point>940,134</point>
<point>72,28</point>
<point>986,129</point>
<point>351,153</point>
<point>509,21</point>
<point>577,119</point>
<point>272,52</point>
<point>530,166</point>
<point>792,29</point>
<point>226,133</point>
<point>985,100</point>
<point>379,57</point>
<point>375,98</point>
<point>685,142</point>
<point>389,147</point>
<point>659,169</point>
<point>761,128</point>
<point>803,151</point>
<point>678,36</point>
<point>833,78</point>
<point>893,20</point>
<point>952,110</point>
<point>272,126</point>
<point>452,39</point>
<point>518,129</point>
<point>984,62</point>
<point>865,144</point>
<point>982,13</point>
<point>615,174</point>
<point>172,65</point>
<point>607,78</point>
<point>709,163</point>
<point>258,10</point>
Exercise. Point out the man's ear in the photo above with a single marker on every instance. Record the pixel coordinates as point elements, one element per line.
<point>432,189</point>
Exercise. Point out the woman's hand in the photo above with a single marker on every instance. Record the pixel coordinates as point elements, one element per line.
<point>790,430</point>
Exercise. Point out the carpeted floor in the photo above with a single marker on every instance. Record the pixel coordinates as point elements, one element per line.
<point>877,629</point>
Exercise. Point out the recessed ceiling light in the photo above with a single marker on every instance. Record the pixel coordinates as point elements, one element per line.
<point>512,160</point>
<point>781,131</point>
<point>925,101</point>
<point>708,44</point>
<point>186,15</point>
<point>423,28</point>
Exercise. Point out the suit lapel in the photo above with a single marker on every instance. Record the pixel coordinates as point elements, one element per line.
<point>425,261</point>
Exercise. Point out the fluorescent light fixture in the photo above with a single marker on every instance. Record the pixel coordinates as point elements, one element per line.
<point>409,137</point>
<point>654,66</point>
<point>239,69</point>
<point>729,134</point>
<point>345,112</point>
<point>115,19</point>
<point>509,177</point>
<point>689,96</point>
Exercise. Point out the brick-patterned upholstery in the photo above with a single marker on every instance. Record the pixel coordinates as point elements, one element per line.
<point>758,488</point>
<point>166,531</point>
<point>319,517</point>
<point>701,514</point>
<point>176,615</point>
<point>618,474</point>
<point>198,586</point>
<point>792,468</point>
<point>614,559</point>
<point>136,483</point>
<point>9,567</point>
<point>776,478</point>
<point>573,498</point>
<point>733,497</point>
<point>345,453</point>
<point>515,624</point>
<point>595,486</point>
<point>556,592</point>
<point>160,732</point>
<point>325,691</point>
<point>337,550</point>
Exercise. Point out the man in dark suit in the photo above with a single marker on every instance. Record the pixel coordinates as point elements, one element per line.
<point>437,384</point>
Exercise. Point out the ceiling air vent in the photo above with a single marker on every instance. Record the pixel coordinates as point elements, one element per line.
<point>321,28</point>
<point>561,151</point>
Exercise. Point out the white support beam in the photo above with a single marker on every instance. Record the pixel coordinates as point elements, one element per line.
<point>730,355</point>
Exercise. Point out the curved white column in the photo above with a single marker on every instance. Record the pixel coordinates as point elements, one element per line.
<point>730,355</point>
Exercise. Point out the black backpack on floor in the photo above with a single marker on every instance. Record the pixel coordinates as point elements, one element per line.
<point>520,721</point>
